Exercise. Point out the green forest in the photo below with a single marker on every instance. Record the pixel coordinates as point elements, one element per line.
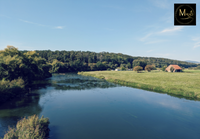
<point>19,69</point>
<point>70,61</point>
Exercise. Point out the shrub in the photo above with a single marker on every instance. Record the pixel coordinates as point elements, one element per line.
<point>123,68</point>
<point>149,68</point>
<point>30,128</point>
<point>137,68</point>
<point>163,68</point>
<point>172,69</point>
<point>10,89</point>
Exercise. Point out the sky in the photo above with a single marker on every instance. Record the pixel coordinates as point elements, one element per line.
<point>137,28</point>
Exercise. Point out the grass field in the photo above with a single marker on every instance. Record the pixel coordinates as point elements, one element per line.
<point>186,84</point>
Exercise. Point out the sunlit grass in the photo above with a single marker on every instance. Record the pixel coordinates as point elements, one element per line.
<point>181,83</point>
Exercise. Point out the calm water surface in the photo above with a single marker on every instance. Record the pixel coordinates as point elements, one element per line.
<point>88,108</point>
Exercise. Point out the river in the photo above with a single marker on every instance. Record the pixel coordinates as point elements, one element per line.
<point>82,107</point>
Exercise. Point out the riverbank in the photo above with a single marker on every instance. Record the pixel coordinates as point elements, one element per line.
<point>185,84</point>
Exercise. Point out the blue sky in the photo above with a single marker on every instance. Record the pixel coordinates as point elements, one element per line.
<point>137,28</point>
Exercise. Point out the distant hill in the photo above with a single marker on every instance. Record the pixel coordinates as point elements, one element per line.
<point>196,62</point>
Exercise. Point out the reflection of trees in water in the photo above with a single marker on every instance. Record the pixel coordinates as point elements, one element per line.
<point>12,111</point>
<point>73,82</point>
<point>16,109</point>
<point>81,83</point>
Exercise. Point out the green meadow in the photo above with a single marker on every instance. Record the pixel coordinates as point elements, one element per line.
<point>183,84</point>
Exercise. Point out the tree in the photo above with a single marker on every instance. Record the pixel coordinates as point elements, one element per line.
<point>123,68</point>
<point>28,65</point>
<point>138,68</point>
<point>141,63</point>
<point>172,69</point>
<point>149,68</point>
<point>163,68</point>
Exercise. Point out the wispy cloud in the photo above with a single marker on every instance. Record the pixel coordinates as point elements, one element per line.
<point>196,45</point>
<point>31,22</point>
<point>4,16</point>
<point>173,29</point>
<point>59,27</point>
<point>146,37</point>
<point>149,51</point>
<point>113,7</point>
<point>164,4</point>
<point>197,42</point>
<point>155,41</point>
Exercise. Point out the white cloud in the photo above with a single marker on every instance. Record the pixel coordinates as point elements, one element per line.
<point>155,41</point>
<point>149,51</point>
<point>113,7</point>
<point>146,37</point>
<point>171,29</point>
<point>164,4</point>
<point>59,27</point>
<point>4,16</point>
<point>197,42</point>
<point>171,105</point>
<point>31,22</point>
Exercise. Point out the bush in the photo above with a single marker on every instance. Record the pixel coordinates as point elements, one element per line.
<point>138,68</point>
<point>123,68</point>
<point>30,128</point>
<point>172,69</point>
<point>163,68</point>
<point>108,69</point>
<point>149,68</point>
<point>10,89</point>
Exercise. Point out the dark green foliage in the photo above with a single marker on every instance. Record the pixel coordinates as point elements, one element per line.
<point>18,71</point>
<point>70,61</point>
<point>163,68</point>
<point>11,89</point>
<point>141,63</point>
<point>28,65</point>
<point>123,68</point>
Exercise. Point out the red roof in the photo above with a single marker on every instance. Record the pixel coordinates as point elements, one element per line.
<point>176,67</point>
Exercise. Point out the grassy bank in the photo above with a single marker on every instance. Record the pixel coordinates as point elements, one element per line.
<point>186,84</point>
<point>29,128</point>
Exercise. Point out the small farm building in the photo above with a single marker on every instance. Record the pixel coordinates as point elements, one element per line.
<point>176,68</point>
<point>117,69</point>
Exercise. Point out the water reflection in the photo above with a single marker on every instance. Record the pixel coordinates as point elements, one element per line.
<point>94,112</point>
<point>73,82</point>
<point>16,109</point>
<point>12,111</point>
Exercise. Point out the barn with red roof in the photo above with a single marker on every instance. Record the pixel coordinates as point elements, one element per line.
<point>175,68</point>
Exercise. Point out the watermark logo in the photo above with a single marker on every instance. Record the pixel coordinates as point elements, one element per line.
<point>184,14</point>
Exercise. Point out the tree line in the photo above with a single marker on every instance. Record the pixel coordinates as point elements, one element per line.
<point>70,61</point>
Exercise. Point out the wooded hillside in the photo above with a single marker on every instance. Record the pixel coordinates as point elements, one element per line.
<point>68,61</point>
